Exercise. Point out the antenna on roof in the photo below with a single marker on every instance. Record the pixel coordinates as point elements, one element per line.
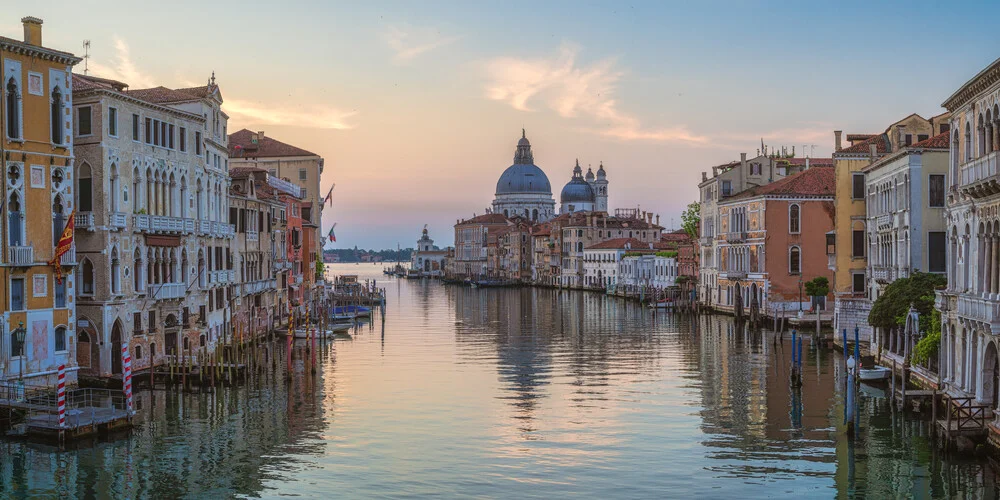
<point>86,55</point>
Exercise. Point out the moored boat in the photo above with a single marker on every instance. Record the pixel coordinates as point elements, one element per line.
<point>876,373</point>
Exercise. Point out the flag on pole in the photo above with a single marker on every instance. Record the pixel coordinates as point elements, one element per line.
<point>333,237</point>
<point>329,195</point>
<point>63,246</point>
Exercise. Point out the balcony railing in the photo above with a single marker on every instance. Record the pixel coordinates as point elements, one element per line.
<point>883,221</point>
<point>68,258</point>
<point>20,256</point>
<point>166,224</point>
<point>736,236</point>
<point>980,309</point>
<point>117,220</point>
<point>980,169</point>
<point>734,275</point>
<point>168,291</point>
<point>204,227</point>
<point>84,220</point>
<point>140,222</point>
<point>883,273</point>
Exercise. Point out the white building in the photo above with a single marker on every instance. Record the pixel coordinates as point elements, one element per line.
<point>427,257</point>
<point>970,306</point>
<point>523,188</point>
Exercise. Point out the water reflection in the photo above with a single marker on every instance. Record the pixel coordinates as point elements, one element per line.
<point>518,393</point>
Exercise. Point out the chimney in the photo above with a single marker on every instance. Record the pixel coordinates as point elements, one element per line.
<point>32,30</point>
<point>657,219</point>
<point>836,139</point>
<point>704,176</point>
<point>807,163</point>
<point>901,137</point>
<point>743,161</point>
<point>873,152</point>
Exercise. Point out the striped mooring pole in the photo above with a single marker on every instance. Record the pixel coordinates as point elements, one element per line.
<point>61,396</point>
<point>127,379</point>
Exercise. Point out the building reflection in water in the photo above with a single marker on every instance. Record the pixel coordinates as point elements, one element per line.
<point>186,444</point>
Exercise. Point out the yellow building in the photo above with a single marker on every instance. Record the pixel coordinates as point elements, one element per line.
<point>847,244</point>
<point>37,152</point>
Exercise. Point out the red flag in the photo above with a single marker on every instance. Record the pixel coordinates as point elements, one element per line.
<point>65,243</point>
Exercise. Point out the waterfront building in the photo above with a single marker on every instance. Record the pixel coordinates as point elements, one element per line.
<point>427,257</point>
<point>601,261</point>
<point>37,145</point>
<point>471,238</point>
<point>523,188</point>
<point>905,203</point>
<point>970,305</point>
<point>687,257</point>
<point>254,210</point>
<point>545,250</point>
<point>153,238</point>
<point>580,230</point>
<point>629,262</point>
<point>727,180</point>
<point>848,246</point>
<point>283,161</point>
<point>767,250</point>
<point>512,252</point>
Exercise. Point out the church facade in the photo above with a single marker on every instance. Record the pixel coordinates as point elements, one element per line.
<point>524,189</point>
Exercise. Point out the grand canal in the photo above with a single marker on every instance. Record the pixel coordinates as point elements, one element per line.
<point>515,393</point>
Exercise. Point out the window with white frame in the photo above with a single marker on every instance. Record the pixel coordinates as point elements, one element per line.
<point>795,260</point>
<point>794,218</point>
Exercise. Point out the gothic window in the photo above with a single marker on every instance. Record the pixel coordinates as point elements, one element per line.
<point>56,116</point>
<point>15,223</point>
<point>137,271</point>
<point>60,338</point>
<point>795,260</point>
<point>86,277</point>
<point>794,219</point>
<point>13,110</point>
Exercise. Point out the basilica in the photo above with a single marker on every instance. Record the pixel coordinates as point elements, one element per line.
<point>524,189</point>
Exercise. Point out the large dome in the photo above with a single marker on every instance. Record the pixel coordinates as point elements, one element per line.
<point>577,190</point>
<point>523,176</point>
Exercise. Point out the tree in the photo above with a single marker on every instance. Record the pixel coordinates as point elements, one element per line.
<point>818,287</point>
<point>890,309</point>
<point>319,267</point>
<point>690,218</point>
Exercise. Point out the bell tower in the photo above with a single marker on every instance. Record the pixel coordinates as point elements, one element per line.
<point>600,186</point>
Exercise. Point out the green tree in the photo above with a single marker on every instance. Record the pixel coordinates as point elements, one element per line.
<point>690,218</point>
<point>319,267</point>
<point>890,309</point>
<point>818,287</point>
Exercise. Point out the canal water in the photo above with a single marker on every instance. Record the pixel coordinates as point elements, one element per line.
<point>515,393</point>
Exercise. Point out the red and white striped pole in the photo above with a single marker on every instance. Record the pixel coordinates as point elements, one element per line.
<point>61,396</point>
<point>127,379</point>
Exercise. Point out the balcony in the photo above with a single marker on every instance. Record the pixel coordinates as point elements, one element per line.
<point>189,226</point>
<point>204,227</point>
<point>736,237</point>
<point>884,274</point>
<point>116,220</point>
<point>68,258</point>
<point>979,176</point>
<point>84,220</point>
<point>733,275</point>
<point>252,236</point>
<point>883,221</point>
<point>21,256</point>
<point>166,224</point>
<point>140,222</point>
<point>167,291</point>
<point>258,286</point>
<point>979,309</point>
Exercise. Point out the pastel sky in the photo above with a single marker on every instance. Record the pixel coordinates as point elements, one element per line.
<point>417,106</point>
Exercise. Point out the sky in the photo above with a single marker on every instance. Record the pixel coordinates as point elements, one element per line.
<point>416,107</point>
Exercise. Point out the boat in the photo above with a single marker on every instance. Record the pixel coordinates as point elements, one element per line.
<point>357,311</point>
<point>876,373</point>
<point>342,317</point>
<point>661,304</point>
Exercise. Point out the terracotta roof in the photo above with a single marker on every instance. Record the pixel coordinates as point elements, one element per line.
<point>675,236</point>
<point>939,141</point>
<point>816,181</point>
<point>198,92</point>
<point>485,219</point>
<point>242,141</point>
<point>859,137</point>
<point>239,172</point>
<point>161,94</point>
<point>881,142</point>
<point>88,82</point>
<point>813,162</point>
<point>620,243</point>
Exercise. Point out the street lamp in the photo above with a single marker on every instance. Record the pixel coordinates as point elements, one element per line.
<point>19,334</point>
<point>800,295</point>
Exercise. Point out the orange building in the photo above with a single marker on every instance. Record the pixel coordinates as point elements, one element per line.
<point>772,240</point>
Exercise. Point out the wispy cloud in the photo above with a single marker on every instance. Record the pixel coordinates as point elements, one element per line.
<point>573,90</point>
<point>408,42</point>
<point>313,117</point>
<point>121,67</point>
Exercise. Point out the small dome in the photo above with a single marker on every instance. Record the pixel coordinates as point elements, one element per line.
<point>601,174</point>
<point>577,190</point>
<point>590,174</point>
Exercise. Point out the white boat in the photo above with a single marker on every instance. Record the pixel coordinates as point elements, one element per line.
<point>876,373</point>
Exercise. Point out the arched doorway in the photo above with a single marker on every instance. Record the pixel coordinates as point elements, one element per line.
<point>88,353</point>
<point>991,375</point>
<point>116,348</point>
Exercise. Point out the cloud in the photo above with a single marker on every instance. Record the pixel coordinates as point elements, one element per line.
<point>573,91</point>
<point>314,117</point>
<point>122,68</point>
<point>408,42</point>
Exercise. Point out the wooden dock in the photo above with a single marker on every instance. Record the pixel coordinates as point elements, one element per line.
<point>87,411</point>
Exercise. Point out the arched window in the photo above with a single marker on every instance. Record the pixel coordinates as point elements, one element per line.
<point>968,141</point>
<point>86,277</point>
<point>152,352</point>
<point>60,338</point>
<point>58,219</point>
<point>137,270</point>
<point>138,352</point>
<point>794,219</point>
<point>85,187</point>
<point>981,136</point>
<point>534,214</point>
<point>794,260</point>
<point>136,189</point>
<point>15,223</point>
<point>57,121</point>
<point>579,246</point>
<point>13,110</point>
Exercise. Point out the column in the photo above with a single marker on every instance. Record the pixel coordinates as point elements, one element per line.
<point>977,383</point>
<point>994,276</point>
<point>986,281</point>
